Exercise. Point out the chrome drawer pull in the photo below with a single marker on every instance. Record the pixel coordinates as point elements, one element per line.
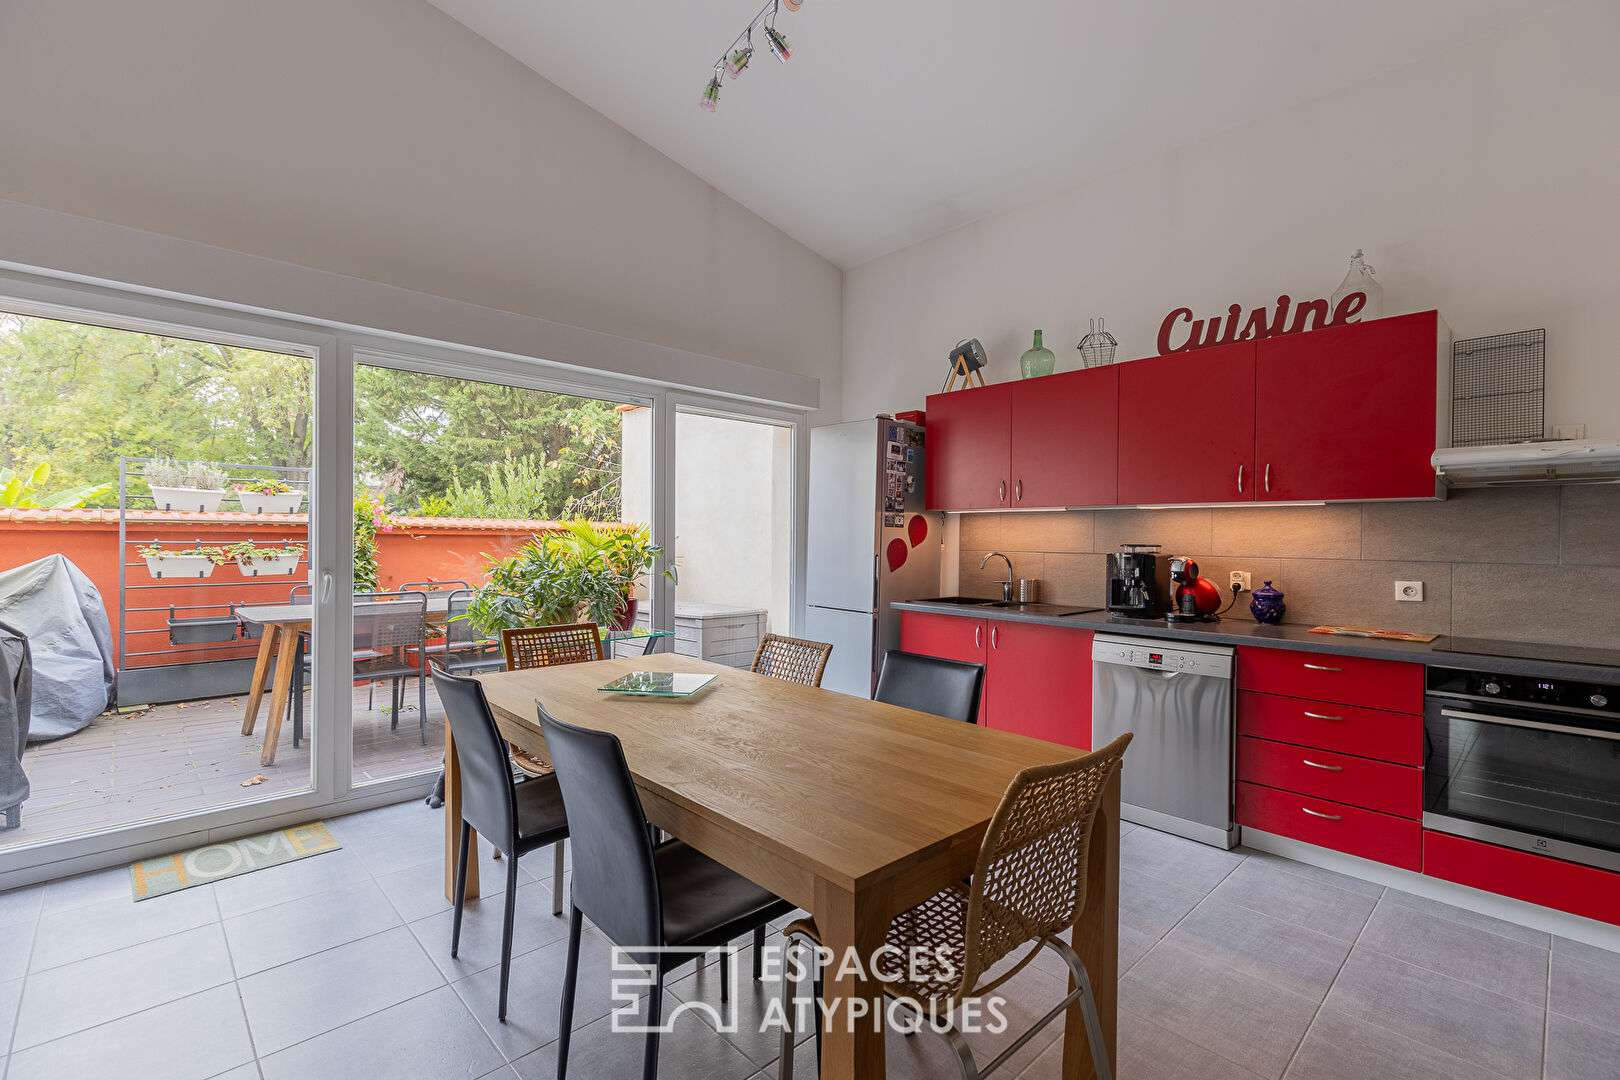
<point>1318,813</point>
<point>1322,716</point>
<point>1323,667</point>
<point>1318,765</point>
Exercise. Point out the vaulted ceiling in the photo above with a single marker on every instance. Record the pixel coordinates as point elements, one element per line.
<point>898,120</point>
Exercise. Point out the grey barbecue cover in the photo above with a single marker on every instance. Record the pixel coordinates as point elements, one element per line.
<point>15,671</point>
<point>53,604</point>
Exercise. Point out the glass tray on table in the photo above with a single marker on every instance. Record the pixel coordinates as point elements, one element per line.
<point>664,684</point>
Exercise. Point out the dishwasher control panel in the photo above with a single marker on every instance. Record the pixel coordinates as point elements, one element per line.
<point>1193,659</point>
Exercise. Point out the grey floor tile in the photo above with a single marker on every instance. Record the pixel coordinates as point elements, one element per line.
<point>20,905</point>
<point>1315,873</point>
<point>1303,900</point>
<point>1487,923</point>
<point>297,928</point>
<point>81,890</point>
<point>692,1049</point>
<point>505,1072</point>
<point>1150,905</point>
<point>533,926</point>
<point>1243,1019</point>
<point>1577,1051</point>
<point>753,1000</point>
<point>1341,1047</point>
<point>249,1071</point>
<point>83,994</point>
<point>431,1037</point>
<point>418,891</point>
<point>1133,945</point>
<point>1496,963</point>
<point>393,837</point>
<point>291,881</point>
<point>304,998</point>
<point>1284,955</point>
<point>1146,1051</point>
<point>1179,861</point>
<point>1584,990</point>
<point>80,932</point>
<point>16,943</point>
<point>163,1040</point>
<point>1489,1030</point>
<point>10,994</point>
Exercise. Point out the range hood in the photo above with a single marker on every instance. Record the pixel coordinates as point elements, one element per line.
<point>1571,461</point>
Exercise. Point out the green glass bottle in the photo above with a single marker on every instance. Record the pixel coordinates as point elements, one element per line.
<point>1038,360</point>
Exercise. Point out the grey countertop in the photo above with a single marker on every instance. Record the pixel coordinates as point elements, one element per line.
<point>1239,629</point>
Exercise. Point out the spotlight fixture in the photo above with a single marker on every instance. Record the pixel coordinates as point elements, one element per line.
<point>741,50</point>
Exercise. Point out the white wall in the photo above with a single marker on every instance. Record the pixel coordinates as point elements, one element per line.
<point>1482,183</point>
<point>382,140</point>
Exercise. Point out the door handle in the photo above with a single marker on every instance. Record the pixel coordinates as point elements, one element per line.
<point>1318,765</point>
<point>1240,479</point>
<point>978,637</point>
<point>326,587</point>
<point>994,638</point>
<point>1004,491</point>
<point>1018,491</point>
<point>1321,716</point>
<point>1268,477</point>
<point>1323,667</point>
<point>1534,725</point>
<point>1318,813</point>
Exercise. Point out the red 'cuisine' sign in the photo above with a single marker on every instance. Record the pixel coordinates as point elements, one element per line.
<point>1263,322</point>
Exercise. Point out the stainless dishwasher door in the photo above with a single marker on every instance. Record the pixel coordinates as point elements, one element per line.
<point>1176,697</point>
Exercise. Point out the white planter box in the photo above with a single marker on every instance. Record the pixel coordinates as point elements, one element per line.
<point>254,502</point>
<point>179,566</point>
<point>284,564</point>
<point>204,500</point>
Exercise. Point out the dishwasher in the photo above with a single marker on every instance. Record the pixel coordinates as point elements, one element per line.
<point>1176,697</point>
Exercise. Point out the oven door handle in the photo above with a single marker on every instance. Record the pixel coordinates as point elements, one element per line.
<point>1536,725</point>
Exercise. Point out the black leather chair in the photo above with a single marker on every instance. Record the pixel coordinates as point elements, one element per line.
<point>515,817</point>
<point>948,688</point>
<point>637,894</point>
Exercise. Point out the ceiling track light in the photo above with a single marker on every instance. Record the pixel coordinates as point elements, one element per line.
<point>741,50</point>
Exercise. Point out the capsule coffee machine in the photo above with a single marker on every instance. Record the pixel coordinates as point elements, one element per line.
<point>1196,597</point>
<point>1138,582</point>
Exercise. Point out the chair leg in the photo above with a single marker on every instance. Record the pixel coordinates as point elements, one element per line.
<point>506,932</point>
<point>759,953</point>
<point>461,888</point>
<point>421,705</point>
<point>791,955</point>
<point>565,1021</point>
<point>728,972</point>
<point>556,877</point>
<point>655,1014</point>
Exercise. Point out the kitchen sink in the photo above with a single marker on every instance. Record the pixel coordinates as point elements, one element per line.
<point>964,600</point>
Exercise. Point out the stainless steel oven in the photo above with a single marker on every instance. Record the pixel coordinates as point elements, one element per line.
<point>1526,762</point>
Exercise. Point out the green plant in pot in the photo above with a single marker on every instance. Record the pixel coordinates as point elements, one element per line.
<point>627,551</point>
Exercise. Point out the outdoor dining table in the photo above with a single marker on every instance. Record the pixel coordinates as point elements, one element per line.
<point>854,810</point>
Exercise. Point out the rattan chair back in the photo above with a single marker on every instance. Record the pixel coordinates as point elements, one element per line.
<point>791,659</point>
<point>544,646</point>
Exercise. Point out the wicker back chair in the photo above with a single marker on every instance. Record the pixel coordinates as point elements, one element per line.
<point>1028,887</point>
<point>791,659</point>
<point>543,646</point>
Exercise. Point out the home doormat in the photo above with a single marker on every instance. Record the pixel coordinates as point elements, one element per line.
<point>216,862</point>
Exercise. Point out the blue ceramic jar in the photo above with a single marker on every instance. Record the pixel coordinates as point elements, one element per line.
<point>1266,604</point>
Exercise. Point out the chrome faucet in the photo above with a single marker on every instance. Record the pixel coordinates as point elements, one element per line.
<point>1006,586</point>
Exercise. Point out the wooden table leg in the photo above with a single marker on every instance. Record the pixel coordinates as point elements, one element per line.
<point>261,670</point>
<point>1096,940</point>
<point>286,657</point>
<point>452,825</point>
<point>852,1046</point>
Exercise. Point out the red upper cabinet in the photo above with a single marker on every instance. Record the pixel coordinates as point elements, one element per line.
<point>1352,412</point>
<point>969,448</point>
<point>1040,680</point>
<point>1065,439</point>
<point>1186,427</point>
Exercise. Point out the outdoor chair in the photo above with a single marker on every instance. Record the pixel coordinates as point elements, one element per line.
<point>390,639</point>
<point>464,650</point>
<point>1028,888</point>
<point>791,659</point>
<point>948,688</point>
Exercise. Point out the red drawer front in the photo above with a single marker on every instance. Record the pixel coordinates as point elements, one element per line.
<point>1368,733</point>
<point>1345,680</point>
<point>1537,879</point>
<point>1345,778</point>
<point>1350,829</point>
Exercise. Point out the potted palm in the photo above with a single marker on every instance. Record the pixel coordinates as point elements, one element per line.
<point>186,485</point>
<point>269,496</point>
<point>626,551</point>
<point>255,561</point>
<point>193,562</point>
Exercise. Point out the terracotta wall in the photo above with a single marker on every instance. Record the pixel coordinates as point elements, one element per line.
<point>418,549</point>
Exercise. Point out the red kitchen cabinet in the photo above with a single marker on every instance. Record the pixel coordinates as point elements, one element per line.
<point>1345,778</point>
<point>969,449</point>
<point>1065,439</point>
<point>1351,829</point>
<point>1344,729</point>
<point>1352,412</point>
<point>1535,879</point>
<point>950,637</point>
<point>1186,427</point>
<point>1390,685</point>
<point>1040,680</point>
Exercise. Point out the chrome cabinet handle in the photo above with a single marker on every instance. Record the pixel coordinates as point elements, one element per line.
<point>995,640</point>
<point>1240,479</point>
<point>1018,492</point>
<point>1268,476</point>
<point>978,636</point>
<point>1318,813</point>
<point>1323,667</point>
<point>1319,765</point>
<point>1321,716</point>
<point>1004,491</point>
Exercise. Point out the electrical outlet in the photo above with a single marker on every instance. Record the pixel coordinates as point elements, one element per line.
<point>1240,578</point>
<point>1409,590</point>
<point>1569,431</point>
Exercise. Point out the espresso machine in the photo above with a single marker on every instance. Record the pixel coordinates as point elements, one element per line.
<point>1138,582</point>
<point>1196,597</point>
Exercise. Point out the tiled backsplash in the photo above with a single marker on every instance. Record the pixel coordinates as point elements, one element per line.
<point>1530,564</point>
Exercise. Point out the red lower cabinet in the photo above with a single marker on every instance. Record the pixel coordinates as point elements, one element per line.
<point>1351,829</point>
<point>1389,685</point>
<point>949,637</point>
<point>1369,733</point>
<point>1536,879</point>
<point>1040,680</point>
<point>1345,778</point>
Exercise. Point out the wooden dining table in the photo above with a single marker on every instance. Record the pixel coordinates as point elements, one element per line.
<point>854,810</point>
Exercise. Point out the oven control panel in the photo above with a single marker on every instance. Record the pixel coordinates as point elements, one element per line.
<point>1525,689</point>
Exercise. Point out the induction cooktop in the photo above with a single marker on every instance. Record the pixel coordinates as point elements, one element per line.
<point>1530,650</point>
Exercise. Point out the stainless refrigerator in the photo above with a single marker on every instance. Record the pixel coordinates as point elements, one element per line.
<point>870,543</point>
